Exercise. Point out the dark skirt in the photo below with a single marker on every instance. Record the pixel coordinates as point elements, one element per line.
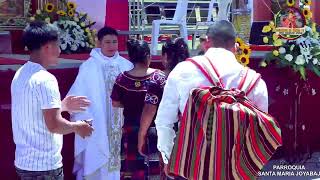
<point>133,165</point>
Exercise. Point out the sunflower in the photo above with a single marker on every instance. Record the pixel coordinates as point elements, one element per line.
<point>61,13</point>
<point>266,29</point>
<point>246,50</point>
<point>307,13</point>
<point>307,2</point>
<point>244,59</point>
<point>71,5</point>
<point>240,42</point>
<point>291,3</point>
<point>49,7</point>
<point>71,13</point>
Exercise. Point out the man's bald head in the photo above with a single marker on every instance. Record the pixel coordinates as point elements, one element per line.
<point>222,35</point>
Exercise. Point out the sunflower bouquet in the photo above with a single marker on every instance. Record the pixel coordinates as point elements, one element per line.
<point>76,34</point>
<point>299,49</point>
<point>243,52</point>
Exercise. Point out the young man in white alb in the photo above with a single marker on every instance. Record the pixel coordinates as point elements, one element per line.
<point>37,123</point>
<point>98,157</point>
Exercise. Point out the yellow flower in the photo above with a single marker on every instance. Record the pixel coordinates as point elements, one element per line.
<point>244,60</point>
<point>47,20</point>
<point>32,18</point>
<point>275,36</point>
<point>240,42</point>
<point>38,11</point>
<point>291,3</point>
<point>266,29</point>
<point>246,50</point>
<point>307,13</point>
<point>266,40</point>
<point>82,24</point>
<point>275,52</point>
<point>71,13</point>
<point>87,30</point>
<point>94,31</point>
<point>307,2</point>
<point>277,43</point>
<point>49,7</point>
<point>61,13</point>
<point>71,5</point>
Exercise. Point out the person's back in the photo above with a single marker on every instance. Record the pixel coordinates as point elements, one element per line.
<point>186,76</point>
<point>229,70</point>
<point>31,135</point>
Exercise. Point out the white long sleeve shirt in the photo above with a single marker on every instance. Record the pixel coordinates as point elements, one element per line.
<point>186,76</point>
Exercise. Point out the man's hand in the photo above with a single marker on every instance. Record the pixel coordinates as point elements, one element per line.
<point>141,143</point>
<point>83,129</point>
<point>75,103</point>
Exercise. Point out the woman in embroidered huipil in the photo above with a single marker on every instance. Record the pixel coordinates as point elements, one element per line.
<point>129,92</point>
<point>173,52</point>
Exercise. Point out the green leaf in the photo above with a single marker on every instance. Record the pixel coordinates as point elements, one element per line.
<point>316,70</point>
<point>302,71</point>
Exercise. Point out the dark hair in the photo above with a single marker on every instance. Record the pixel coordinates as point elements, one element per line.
<point>138,51</point>
<point>222,33</point>
<point>38,33</point>
<point>176,51</point>
<point>106,31</point>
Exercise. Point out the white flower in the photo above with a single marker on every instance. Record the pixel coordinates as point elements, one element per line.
<point>282,50</point>
<point>285,92</point>
<point>308,28</point>
<point>315,61</point>
<point>278,88</point>
<point>288,57</point>
<point>83,44</point>
<point>292,46</point>
<point>300,60</point>
<point>63,46</point>
<point>74,47</point>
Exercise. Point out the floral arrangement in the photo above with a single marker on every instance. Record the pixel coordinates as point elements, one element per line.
<point>76,34</point>
<point>302,54</point>
<point>243,52</point>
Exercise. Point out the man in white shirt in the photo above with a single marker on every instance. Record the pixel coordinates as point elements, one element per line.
<point>37,123</point>
<point>98,157</point>
<point>185,76</point>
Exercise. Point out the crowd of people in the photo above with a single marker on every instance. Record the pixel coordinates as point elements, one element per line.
<point>123,112</point>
